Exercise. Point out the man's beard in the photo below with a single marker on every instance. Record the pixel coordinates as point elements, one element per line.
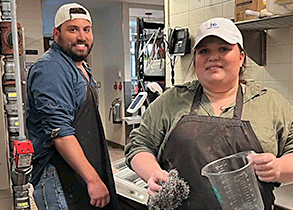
<point>73,55</point>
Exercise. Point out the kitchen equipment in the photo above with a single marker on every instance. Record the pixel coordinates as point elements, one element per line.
<point>13,121</point>
<point>115,109</point>
<point>11,109</point>
<point>234,182</point>
<point>137,102</point>
<point>9,76</point>
<point>9,65</point>
<point>129,186</point>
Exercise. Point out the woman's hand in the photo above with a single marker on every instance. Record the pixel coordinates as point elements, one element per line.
<point>153,186</point>
<point>266,166</point>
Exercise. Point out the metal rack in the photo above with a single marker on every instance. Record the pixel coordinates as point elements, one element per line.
<point>255,34</point>
<point>266,23</point>
<point>141,41</point>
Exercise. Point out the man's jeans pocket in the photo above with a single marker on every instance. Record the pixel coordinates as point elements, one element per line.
<point>48,193</point>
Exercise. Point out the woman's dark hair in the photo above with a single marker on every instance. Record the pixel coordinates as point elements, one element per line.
<point>243,67</point>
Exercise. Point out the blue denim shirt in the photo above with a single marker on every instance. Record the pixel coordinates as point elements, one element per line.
<point>55,91</point>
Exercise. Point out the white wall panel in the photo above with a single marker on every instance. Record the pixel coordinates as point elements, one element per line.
<point>228,9</point>
<point>197,16</point>
<point>214,11</point>
<point>195,4</point>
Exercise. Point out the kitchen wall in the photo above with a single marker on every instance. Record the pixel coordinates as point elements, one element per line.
<point>277,74</point>
<point>29,14</point>
<point>111,64</point>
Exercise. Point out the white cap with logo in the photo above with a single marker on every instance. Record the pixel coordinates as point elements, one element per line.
<point>69,12</point>
<point>220,27</point>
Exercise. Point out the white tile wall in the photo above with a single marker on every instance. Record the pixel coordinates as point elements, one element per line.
<point>180,6</point>
<point>279,36</point>
<point>192,31</point>
<point>282,87</point>
<point>290,92</point>
<point>196,4</point>
<point>214,11</point>
<point>197,16</point>
<point>291,38</point>
<point>254,71</point>
<point>277,74</point>
<point>291,51</point>
<point>278,54</point>
<point>180,20</point>
<point>272,72</point>
<point>228,9</point>
<point>212,2</point>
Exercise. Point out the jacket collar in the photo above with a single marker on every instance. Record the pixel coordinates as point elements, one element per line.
<point>252,88</point>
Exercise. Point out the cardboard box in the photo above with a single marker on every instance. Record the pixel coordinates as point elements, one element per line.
<point>242,5</point>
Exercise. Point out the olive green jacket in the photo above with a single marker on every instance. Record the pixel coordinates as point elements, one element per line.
<point>269,113</point>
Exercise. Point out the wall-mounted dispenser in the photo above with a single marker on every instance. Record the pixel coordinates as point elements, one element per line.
<point>115,111</point>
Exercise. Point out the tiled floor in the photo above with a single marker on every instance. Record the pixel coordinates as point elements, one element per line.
<point>116,153</point>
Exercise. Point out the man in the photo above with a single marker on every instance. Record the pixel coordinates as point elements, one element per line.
<point>72,168</point>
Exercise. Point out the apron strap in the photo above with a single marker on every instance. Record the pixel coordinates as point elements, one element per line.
<point>238,105</point>
<point>90,87</point>
<point>196,100</point>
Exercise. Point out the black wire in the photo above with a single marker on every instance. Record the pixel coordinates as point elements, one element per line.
<point>172,63</point>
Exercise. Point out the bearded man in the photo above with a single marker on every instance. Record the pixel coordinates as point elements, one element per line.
<point>71,169</point>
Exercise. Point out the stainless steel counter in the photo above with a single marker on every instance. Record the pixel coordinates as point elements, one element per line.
<point>284,196</point>
<point>128,183</point>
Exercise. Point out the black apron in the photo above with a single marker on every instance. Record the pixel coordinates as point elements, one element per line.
<point>90,134</point>
<point>197,140</point>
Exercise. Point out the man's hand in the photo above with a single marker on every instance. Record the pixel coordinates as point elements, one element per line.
<point>71,151</point>
<point>98,193</point>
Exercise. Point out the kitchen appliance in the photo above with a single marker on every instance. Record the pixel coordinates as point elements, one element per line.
<point>115,109</point>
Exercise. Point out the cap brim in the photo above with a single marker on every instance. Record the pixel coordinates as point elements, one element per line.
<point>216,35</point>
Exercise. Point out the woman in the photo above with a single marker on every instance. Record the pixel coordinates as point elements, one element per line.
<point>217,115</point>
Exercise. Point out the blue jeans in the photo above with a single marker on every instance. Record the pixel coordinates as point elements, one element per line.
<point>48,193</point>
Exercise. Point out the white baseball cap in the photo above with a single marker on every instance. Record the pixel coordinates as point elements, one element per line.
<point>220,27</point>
<point>71,11</point>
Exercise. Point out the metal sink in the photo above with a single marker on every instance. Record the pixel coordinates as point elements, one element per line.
<point>128,183</point>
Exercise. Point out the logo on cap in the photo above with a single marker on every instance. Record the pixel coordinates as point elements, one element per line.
<point>213,25</point>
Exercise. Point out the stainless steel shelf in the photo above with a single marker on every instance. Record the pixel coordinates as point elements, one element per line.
<point>255,35</point>
<point>266,23</point>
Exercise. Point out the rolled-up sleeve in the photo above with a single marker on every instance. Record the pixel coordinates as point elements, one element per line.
<point>52,88</point>
<point>146,138</point>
